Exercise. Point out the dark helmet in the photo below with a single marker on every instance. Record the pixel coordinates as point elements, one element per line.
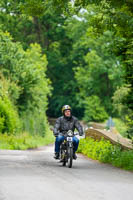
<point>66,107</point>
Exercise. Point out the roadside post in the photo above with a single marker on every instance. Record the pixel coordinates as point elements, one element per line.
<point>110,124</point>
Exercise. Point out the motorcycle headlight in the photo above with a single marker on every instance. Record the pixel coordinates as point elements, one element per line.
<point>70,133</point>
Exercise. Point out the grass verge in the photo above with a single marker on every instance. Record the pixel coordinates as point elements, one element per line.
<point>105,152</point>
<point>24,141</point>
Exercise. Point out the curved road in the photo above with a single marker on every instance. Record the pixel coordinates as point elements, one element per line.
<point>35,175</point>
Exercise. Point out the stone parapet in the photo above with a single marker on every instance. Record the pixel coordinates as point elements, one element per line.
<point>98,134</point>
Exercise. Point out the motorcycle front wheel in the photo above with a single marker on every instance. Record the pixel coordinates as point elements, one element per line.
<point>70,157</point>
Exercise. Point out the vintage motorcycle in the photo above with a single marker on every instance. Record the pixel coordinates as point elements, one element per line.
<point>66,149</point>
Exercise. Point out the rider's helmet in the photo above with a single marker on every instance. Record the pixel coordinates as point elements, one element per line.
<point>66,107</point>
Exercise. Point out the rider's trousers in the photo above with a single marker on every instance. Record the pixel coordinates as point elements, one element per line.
<point>60,139</point>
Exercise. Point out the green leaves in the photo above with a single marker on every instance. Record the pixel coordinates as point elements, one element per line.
<point>33,7</point>
<point>116,17</point>
<point>105,152</point>
<point>39,8</point>
<point>119,97</point>
<point>89,53</point>
<point>9,120</point>
<point>94,111</point>
<point>102,71</point>
<point>24,82</point>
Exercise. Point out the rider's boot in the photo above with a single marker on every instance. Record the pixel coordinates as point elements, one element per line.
<point>56,156</point>
<point>74,156</point>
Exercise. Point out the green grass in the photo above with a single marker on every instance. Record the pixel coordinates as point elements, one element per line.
<point>105,152</point>
<point>24,141</point>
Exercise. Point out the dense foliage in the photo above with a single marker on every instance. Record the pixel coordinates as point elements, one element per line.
<point>88,53</point>
<point>9,121</point>
<point>105,152</point>
<point>116,17</point>
<point>24,86</point>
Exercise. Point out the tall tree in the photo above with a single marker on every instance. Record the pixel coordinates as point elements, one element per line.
<point>45,24</point>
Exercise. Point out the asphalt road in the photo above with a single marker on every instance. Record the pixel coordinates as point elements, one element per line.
<point>35,175</point>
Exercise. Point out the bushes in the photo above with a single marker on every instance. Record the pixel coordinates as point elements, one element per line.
<point>105,152</point>
<point>24,87</point>
<point>24,141</point>
<point>9,120</point>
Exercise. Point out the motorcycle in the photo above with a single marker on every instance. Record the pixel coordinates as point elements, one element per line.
<point>66,149</point>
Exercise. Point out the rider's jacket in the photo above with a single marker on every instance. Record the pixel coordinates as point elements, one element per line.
<point>63,124</point>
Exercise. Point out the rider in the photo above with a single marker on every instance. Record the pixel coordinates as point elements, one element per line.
<point>62,125</point>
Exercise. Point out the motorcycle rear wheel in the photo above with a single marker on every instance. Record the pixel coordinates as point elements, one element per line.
<point>63,159</point>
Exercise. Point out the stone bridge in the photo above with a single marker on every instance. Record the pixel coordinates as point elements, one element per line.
<point>97,132</point>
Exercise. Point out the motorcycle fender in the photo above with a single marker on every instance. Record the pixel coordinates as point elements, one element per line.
<point>70,144</point>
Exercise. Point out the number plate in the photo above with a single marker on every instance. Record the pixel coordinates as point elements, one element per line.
<point>69,139</point>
